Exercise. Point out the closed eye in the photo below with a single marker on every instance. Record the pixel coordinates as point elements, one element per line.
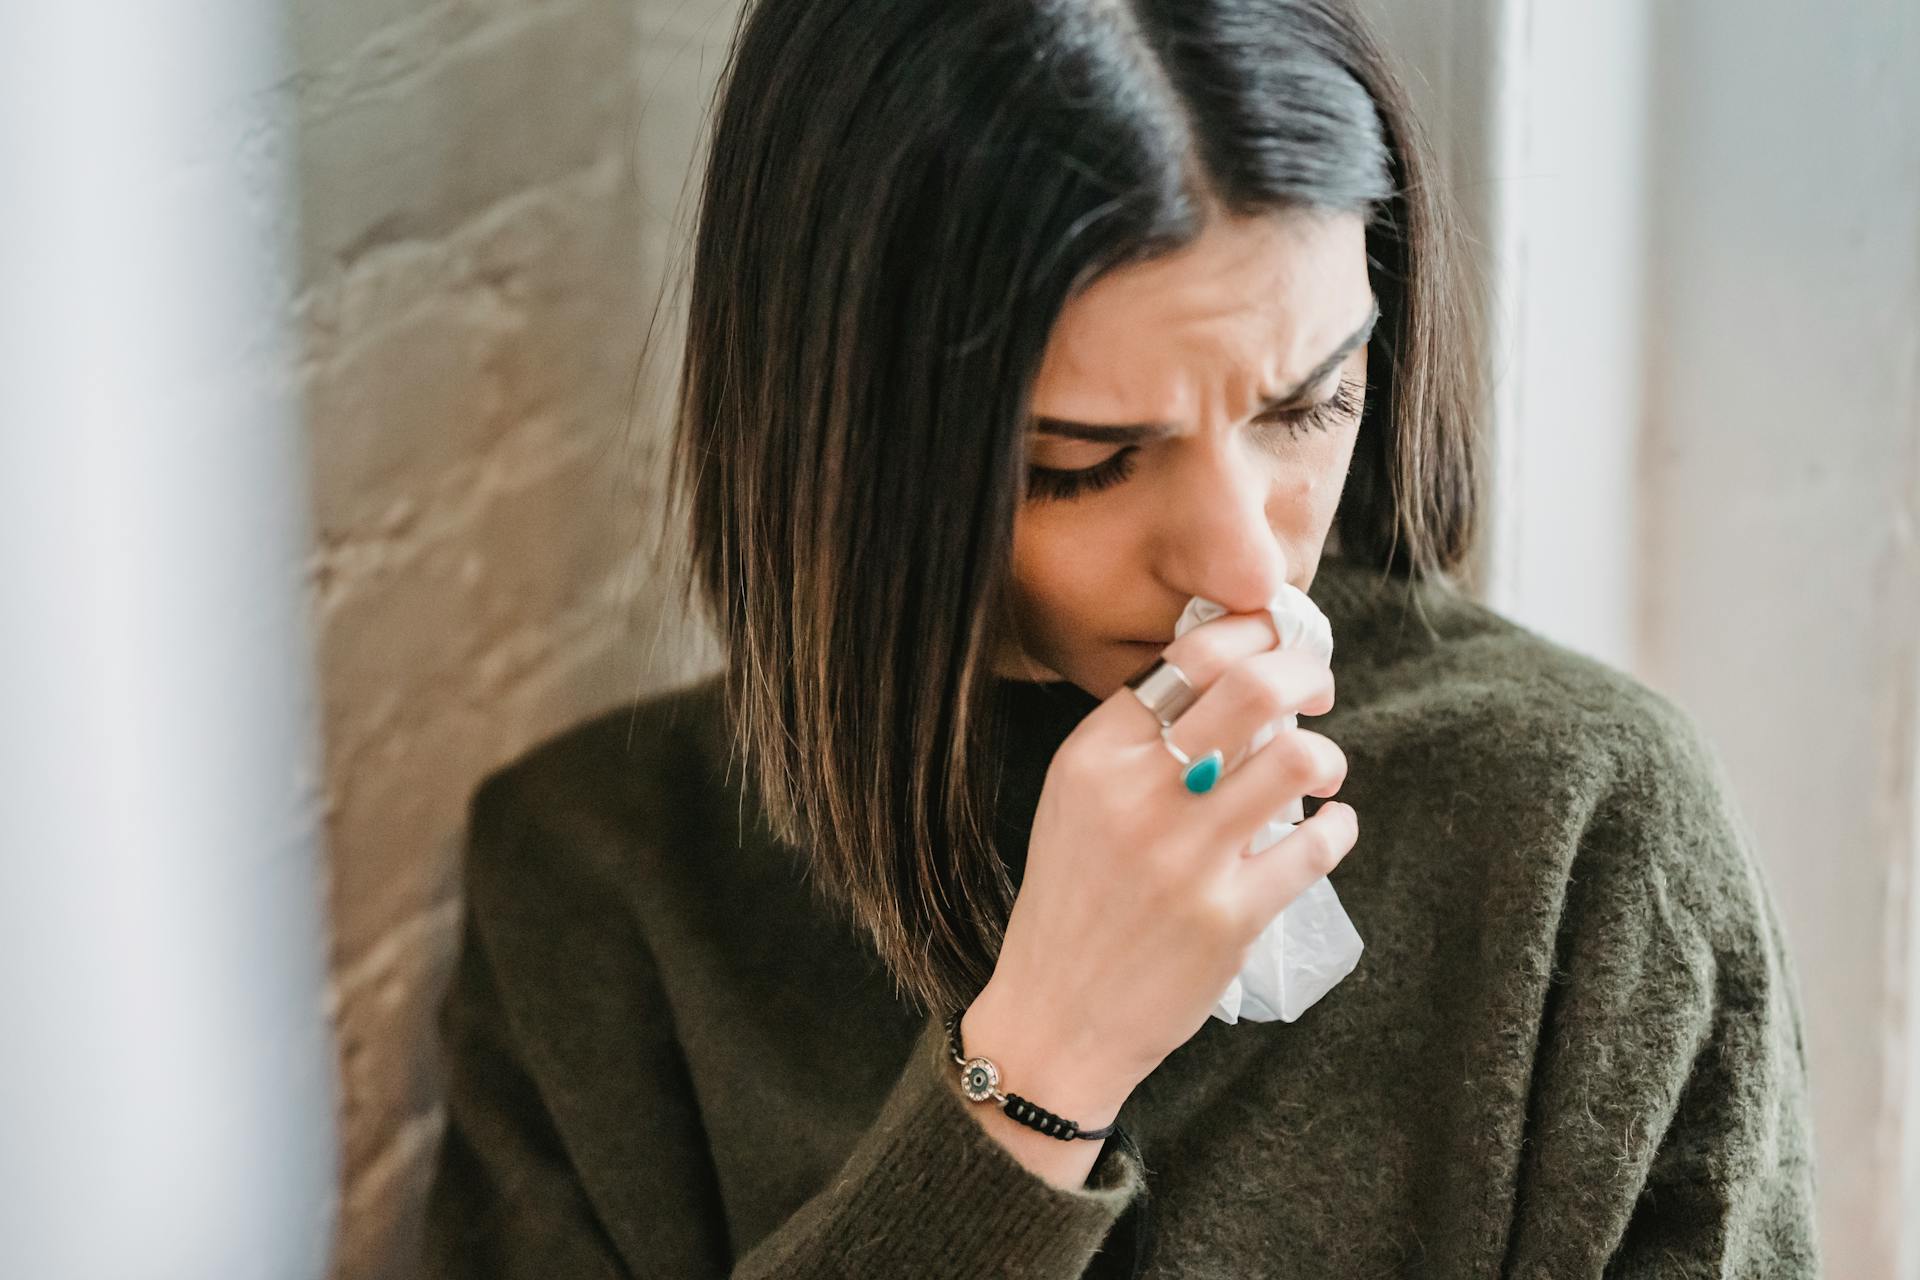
<point>1057,484</point>
<point>1322,415</point>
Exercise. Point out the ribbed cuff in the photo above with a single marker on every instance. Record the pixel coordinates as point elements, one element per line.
<point>932,1193</point>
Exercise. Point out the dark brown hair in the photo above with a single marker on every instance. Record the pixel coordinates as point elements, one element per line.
<point>899,199</point>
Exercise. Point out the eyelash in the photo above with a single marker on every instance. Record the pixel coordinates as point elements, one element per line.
<point>1054,484</point>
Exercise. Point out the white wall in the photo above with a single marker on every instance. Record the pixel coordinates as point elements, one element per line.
<point>1700,227</point>
<point>1537,114</point>
<point>1781,482</point>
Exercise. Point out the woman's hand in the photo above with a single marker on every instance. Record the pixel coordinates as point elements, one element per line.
<point>1138,903</point>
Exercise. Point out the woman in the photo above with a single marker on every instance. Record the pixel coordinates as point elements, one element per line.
<point>1014,326</point>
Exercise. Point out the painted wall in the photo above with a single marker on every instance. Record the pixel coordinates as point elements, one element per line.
<point>1700,230</point>
<point>1778,554</point>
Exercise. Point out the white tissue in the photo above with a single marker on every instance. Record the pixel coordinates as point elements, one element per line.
<point>1306,949</point>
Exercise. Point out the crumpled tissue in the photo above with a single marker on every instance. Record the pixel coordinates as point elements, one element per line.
<point>1311,945</point>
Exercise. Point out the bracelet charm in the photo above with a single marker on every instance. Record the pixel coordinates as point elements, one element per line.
<point>980,1081</point>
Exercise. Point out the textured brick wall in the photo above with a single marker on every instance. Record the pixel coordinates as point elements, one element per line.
<point>488,201</point>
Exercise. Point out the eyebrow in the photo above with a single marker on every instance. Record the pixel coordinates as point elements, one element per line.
<point>1132,432</point>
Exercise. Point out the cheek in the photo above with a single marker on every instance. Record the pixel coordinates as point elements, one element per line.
<point>1067,559</point>
<point>1301,487</point>
<point>1308,481</point>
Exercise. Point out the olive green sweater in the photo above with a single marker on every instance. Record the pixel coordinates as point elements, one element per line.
<point>1572,1046</point>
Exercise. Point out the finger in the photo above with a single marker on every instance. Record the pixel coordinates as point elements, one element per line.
<point>1298,762</point>
<point>1263,689</point>
<point>1274,877</point>
<point>1212,647</point>
<point>1201,654</point>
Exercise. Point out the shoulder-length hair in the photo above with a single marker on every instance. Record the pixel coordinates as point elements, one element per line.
<point>899,198</point>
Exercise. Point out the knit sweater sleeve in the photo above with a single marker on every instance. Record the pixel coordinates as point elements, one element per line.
<point>928,1192</point>
<point>574,1148</point>
<point>1669,1130</point>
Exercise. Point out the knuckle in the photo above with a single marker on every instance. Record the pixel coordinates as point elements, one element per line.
<point>1335,761</point>
<point>1243,684</point>
<point>1316,683</point>
<point>1300,756</point>
<point>1325,854</point>
<point>1070,763</point>
<point>1216,911</point>
<point>1324,695</point>
<point>1264,689</point>
<point>1329,844</point>
<point>1295,681</point>
<point>1317,759</point>
<point>1207,656</point>
<point>1322,853</point>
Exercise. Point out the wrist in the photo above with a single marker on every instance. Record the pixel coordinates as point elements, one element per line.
<point>1041,1062</point>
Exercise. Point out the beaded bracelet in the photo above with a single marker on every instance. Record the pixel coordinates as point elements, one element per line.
<point>980,1080</point>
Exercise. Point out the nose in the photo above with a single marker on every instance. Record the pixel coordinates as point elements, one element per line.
<point>1216,539</point>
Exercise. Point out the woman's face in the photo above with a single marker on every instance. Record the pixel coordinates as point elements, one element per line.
<point>1240,435</point>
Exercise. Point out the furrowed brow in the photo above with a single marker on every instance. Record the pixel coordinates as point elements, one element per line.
<point>1135,432</point>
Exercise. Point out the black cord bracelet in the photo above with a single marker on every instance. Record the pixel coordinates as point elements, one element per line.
<point>980,1081</point>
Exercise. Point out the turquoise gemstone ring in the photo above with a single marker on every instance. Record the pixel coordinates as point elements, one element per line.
<point>1198,775</point>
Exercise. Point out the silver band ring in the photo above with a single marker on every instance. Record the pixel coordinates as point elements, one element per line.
<point>1163,689</point>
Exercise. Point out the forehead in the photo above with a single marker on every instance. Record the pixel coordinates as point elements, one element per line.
<point>1245,310</point>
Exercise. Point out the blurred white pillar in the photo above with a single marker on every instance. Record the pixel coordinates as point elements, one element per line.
<point>167,1096</point>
